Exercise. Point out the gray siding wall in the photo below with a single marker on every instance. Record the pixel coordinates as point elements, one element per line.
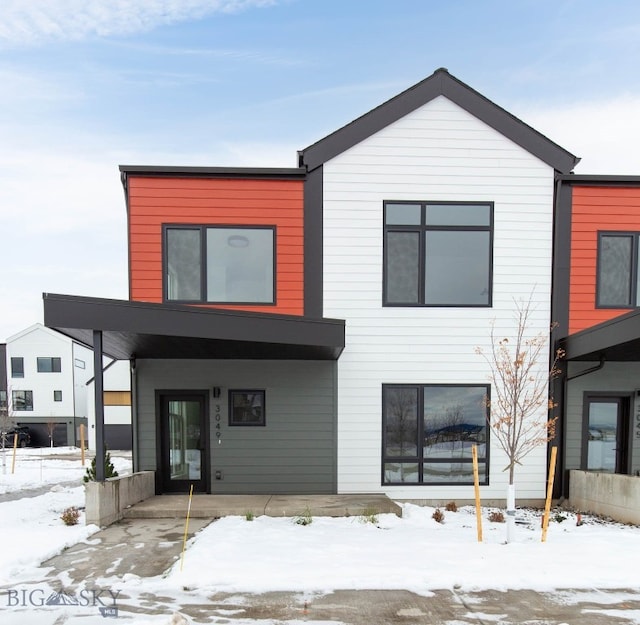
<point>615,378</point>
<point>294,453</point>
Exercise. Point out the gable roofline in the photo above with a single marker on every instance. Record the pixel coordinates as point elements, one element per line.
<point>440,83</point>
<point>39,327</point>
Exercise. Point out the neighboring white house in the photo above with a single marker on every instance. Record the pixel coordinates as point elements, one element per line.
<point>117,406</point>
<point>47,385</point>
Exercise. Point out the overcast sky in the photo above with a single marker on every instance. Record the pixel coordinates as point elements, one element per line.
<point>87,85</point>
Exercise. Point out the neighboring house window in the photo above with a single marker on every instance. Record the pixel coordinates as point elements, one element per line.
<point>49,365</point>
<point>618,274</point>
<point>17,367</point>
<point>22,400</point>
<point>246,408</point>
<point>3,402</point>
<point>437,253</point>
<point>219,264</point>
<point>428,432</point>
<point>79,363</point>
<point>57,395</point>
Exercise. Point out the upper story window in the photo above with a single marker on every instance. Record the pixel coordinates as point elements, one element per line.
<point>17,367</point>
<point>437,253</point>
<point>618,273</point>
<point>49,364</point>
<point>219,264</point>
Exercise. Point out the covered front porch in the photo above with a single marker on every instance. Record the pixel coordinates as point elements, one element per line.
<point>192,367</point>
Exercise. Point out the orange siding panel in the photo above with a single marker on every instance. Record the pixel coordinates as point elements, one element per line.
<point>595,209</point>
<point>157,201</point>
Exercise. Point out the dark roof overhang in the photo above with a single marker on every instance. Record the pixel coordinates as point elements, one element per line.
<point>614,340</point>
<point>145,330</point>
<point>188,171</point>
<point>595,180</point>
<point>439,83</point>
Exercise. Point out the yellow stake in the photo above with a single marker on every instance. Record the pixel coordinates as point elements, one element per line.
<point>15,447</point>
<point>476,484</point>
<point>186,528</point>
<point>547,505</point>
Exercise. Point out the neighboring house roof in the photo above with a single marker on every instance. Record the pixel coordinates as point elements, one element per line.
<point>38,327</point>
<point>440,83</point>
<point>133,329</point>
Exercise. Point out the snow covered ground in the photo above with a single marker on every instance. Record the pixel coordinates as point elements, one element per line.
<point>414,552</point>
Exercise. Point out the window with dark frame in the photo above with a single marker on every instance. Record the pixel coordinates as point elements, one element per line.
<point>49,364</point>
<point>17,367</point>
<point>22,401</point>
<point>438,253</point>
<point>57,395</point>
<point>618,274</point>
<point>247,407</point>
<point>219,264</point>
<point>428,432</point>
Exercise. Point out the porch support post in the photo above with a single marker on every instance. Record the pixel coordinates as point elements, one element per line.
<point>99,404</point>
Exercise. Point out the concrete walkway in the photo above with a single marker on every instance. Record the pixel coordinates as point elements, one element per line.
<point>216,506</point>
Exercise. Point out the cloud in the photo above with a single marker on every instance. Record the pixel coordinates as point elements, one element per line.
<point>604,133</point>
<point>35,21</point>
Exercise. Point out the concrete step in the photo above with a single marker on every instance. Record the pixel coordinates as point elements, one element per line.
<point>216,506</point>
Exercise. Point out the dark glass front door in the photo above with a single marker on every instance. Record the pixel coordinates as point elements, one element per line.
<point>607,437</point>
<point>184,457</point>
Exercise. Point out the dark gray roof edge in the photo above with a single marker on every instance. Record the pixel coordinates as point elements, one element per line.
<point>441,82</point>
<point>595,179</point>
<point>195,310</point>
<point>602,335</point>
<point>213,172</point>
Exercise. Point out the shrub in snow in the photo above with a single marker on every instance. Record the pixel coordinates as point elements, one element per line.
<point>70,516</point>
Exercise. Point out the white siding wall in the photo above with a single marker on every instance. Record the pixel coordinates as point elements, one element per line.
<point>38,341</point>
<point>116,378</point>
<point>439,152</point>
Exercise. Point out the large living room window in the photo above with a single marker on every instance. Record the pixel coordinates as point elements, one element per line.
<point>437,253</point>
<point>219,264</point>
<point>428,432</point>
<point>618,271</point>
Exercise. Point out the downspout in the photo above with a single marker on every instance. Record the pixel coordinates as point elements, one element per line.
<point>135,456</point>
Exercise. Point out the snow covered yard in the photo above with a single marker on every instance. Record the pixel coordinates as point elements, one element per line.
<point>414,553</point>
<point>36,467</point>
<point>237,555</point>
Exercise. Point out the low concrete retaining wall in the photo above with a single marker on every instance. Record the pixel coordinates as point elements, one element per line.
<point>608,494</point>
<point>106,501</point>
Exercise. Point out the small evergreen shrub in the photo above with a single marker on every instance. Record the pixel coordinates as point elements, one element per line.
<point>70,516</point>
<point>438,516</point>
<point>249,516</point>
<point>109,469</point>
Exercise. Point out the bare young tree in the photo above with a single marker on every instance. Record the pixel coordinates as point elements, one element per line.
<point>518,411</point>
